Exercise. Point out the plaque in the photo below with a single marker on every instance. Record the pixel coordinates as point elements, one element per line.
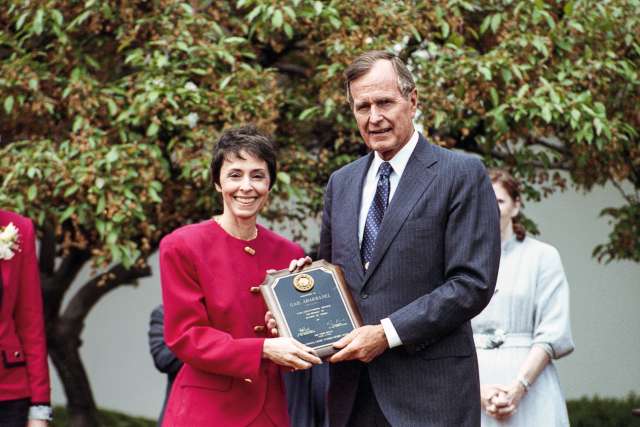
<point>313,305</point>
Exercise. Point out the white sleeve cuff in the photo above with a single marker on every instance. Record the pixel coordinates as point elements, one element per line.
<point>392,336</point>
<point>40,412</point>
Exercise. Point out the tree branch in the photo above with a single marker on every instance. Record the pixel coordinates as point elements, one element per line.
<point>47,259</point>
<point>92,291</point>
<point>560,165</point>
<point>55,285</point>
<point>548,144</point>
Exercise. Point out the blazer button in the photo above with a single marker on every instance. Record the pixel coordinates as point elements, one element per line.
<point>254,289</point>
<point>364,296</point>
<point>16,354</point>
<point>258,329</point>
<point>248,380</point>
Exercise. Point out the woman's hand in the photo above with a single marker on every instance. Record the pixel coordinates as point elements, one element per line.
<point>487,393</point>
<point>37,423</point>
<point>290,353</point>
<point>505,403</point>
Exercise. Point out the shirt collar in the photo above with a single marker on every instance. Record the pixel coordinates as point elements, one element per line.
<point>400,160</point>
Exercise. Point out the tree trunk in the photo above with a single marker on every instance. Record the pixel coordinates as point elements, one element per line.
<point>64,344</point>
<point>64,327</point>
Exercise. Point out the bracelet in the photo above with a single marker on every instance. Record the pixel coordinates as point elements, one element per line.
<point>526,384</point>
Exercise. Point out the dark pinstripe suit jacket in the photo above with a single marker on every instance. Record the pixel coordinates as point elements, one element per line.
<point>434,267</point>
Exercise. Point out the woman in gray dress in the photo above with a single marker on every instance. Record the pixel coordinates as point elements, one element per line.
<point>524,327</point>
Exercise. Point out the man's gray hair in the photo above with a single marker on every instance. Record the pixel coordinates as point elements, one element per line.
<point>363,64</point>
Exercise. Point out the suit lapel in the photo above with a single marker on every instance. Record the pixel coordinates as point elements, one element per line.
<point>416,178</point>
<point>352,210</point>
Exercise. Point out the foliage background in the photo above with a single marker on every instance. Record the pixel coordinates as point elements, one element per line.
<point>109,110</point>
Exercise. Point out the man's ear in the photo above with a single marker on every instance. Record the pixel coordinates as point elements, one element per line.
<point>413,99</point>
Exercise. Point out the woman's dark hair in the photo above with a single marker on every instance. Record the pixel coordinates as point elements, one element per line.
<point>246,139</point>
<point>512,187</point>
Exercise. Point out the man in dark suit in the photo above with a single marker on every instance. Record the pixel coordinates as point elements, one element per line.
<point>163,358</point>
<point>415,228</point>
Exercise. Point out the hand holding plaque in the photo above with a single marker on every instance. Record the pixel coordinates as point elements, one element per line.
<point>313,306</point>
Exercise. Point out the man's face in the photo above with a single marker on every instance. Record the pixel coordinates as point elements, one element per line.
<point>384,116</point>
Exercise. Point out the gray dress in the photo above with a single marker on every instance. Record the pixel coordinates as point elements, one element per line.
<point>530,306</point>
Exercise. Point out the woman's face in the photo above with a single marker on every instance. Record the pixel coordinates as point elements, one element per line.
<point>509,208</point>
<point>244,184</point>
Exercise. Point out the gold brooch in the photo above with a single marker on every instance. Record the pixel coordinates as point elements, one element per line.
<point>303,282</point>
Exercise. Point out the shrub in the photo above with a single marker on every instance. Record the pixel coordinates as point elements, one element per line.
<point>604,411</point>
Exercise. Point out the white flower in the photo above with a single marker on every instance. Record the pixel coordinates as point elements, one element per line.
<point>8,241</point>
<point>192,119</point>
<point>190,86</point>
<point>5,253</point>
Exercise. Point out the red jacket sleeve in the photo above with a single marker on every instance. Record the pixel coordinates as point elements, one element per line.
<point>188,330</point>
<point>29,319</point>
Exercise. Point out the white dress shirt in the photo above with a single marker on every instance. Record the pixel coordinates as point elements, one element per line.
<point>398,163</point>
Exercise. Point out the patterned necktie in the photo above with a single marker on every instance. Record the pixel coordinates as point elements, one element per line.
<point>375,214</point>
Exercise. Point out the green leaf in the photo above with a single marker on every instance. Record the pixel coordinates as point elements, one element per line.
<point>21,19</point>
<point>495,22</point>
<point>445,30</point>
<point>284,178</point>
<point>575,114</point>
<point>486,72</point>
<point>67,213</point>
<point>524,89</point>
<point>597,123</point>
<point>254,13</point>
<point>32,192</point>
<point>546,113</point>
<point>152,130</point>
<point>8,104</point>
<point>494,96</point>
<point>57,17</point>
<point>71,190</point>
<point>307,113</point>
<point>317,7</point>
<point>289,11</point>
<point>37,21</point>
<point>112,156</point>
<point>153,194</point>
<point>288,30</point>
<point>102,202</point>
<point>78,122</point>
<point>277,19</point>
<point>112,106</point>
<point>225,81</point>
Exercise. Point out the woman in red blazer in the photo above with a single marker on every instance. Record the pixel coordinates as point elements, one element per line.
<point>24,373</point>
<point>214,312</point>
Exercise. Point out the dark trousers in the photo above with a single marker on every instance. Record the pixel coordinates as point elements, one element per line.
<point>13,413</point>
<point>366,411</point>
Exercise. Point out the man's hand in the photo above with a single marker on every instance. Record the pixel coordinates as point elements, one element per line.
<point>364,343</point>
<point>299,264</point>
